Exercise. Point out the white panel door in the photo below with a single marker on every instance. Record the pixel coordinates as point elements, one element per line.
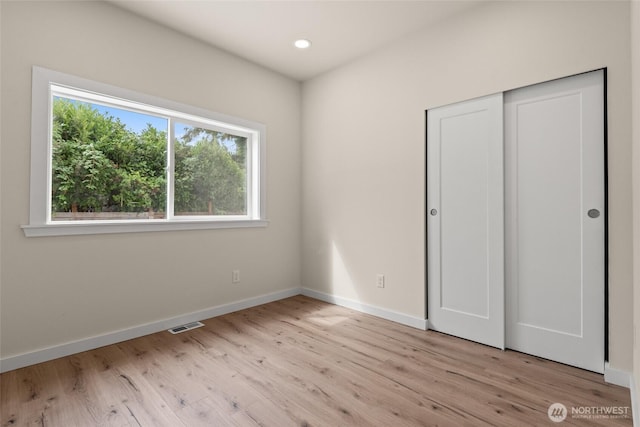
<point>465,220</point>
<point>555,222</point>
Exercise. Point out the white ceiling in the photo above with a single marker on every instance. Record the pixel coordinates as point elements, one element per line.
<point>263,31</point>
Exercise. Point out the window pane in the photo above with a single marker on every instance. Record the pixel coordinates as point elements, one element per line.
<point>210,172</point>
<point>107,163</point>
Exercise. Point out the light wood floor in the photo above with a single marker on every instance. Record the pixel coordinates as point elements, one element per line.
<point>300,362</point>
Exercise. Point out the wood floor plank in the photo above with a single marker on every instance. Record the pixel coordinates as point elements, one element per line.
<point>313,366</point>
<point>381,367</point>
<point>300,362</point>
<point>210,412</point>
<point>104,381</point>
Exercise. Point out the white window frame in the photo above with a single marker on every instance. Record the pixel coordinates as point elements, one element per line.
<point>46,83</point>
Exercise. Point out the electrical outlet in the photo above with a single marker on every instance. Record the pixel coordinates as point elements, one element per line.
<point>235,276</point>
<point>380,280</point>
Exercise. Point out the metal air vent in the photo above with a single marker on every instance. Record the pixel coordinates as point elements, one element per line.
<point>186,327</point>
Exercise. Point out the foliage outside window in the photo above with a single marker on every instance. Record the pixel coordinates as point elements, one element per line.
<point>103,169</point>
<point>113,160</point>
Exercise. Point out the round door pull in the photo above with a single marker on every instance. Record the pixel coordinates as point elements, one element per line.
<point>434,212</point>
<point>593,213</point>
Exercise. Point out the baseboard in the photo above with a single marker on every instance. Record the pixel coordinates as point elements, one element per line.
<point>50,353</point>
<point>635,409</point>
<point>616,376</point>
<point>394,316</point>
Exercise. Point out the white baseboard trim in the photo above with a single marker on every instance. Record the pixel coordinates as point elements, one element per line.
<point>394,316</point>
<point>635,409</point>
<point>616,376</point>
<point>50,353</point>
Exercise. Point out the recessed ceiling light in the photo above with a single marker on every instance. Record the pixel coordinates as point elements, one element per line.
<point>302,44</point>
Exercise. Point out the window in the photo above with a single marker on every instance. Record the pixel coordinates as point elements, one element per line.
<point>105,159</point>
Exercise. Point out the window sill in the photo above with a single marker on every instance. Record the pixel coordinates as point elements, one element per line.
<point>73,229</point>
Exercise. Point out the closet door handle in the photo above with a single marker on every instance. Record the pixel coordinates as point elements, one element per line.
<point>593,213</point>
<point>434,212</point>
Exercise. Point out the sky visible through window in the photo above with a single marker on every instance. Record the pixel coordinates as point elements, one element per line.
<point>137,122</point>
<point>134,121</point>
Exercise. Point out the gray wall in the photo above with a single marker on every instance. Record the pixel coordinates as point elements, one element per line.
<point>362,167</point>
<point>364,143</point>
<point>61,289</point>
<point>635,73</point>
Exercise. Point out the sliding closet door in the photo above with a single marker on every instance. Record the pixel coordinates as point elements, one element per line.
<point>465,220</point>
<point>555,222</point>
